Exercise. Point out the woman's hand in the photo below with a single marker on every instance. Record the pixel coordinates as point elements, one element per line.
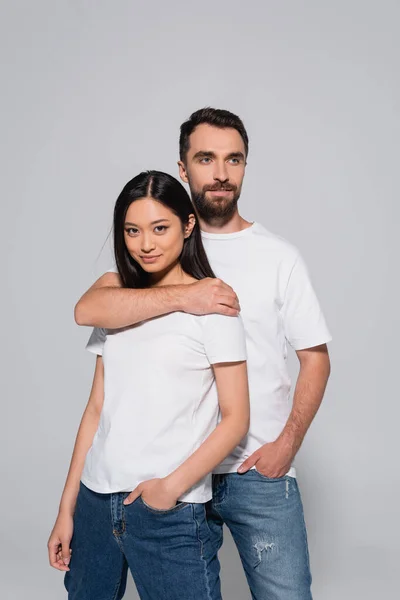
<point>59,542</point>
<point>155,492</point>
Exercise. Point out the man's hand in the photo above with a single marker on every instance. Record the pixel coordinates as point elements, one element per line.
<point>155,492</point>
<point>272,460</point>
<point>107,304</point>
<point>208,296</point>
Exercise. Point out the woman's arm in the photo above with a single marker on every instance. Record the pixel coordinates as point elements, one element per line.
<point>84,439</point>
<point>62,531</point>
<point>233,397</point>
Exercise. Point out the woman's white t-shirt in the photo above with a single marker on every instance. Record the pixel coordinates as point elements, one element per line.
<point>160,397</point>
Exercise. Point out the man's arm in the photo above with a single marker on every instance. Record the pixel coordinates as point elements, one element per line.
<point>308,394</point>
<point>107,304</point>
<point>274,459</point>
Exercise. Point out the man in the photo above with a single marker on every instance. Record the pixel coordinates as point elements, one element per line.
<point>255,490</point>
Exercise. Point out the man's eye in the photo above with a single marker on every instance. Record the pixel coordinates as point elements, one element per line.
<point>235,161</point>
<point>202,160</point>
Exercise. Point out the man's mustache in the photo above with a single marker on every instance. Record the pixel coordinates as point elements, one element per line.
<point>218,187</point>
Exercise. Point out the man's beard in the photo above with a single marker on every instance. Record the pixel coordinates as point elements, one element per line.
<point>220,210</point>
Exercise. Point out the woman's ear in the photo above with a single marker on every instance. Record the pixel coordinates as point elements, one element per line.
<point>189,226</point>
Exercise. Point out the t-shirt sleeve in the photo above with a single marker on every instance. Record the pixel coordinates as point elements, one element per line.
<point>113,269</point>
<point>304,322</point>
<point>224,339</point>
<point>96,341</point>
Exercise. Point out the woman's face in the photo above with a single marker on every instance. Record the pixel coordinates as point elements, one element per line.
<point>153,234</point>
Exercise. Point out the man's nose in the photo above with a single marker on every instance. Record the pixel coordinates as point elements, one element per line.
<point>221,172</point>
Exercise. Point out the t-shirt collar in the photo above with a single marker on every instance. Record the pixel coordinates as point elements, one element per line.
<point>229,236</point>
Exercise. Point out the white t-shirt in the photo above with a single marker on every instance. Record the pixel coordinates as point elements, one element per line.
<point>278,305</point>
<point>160,397</point>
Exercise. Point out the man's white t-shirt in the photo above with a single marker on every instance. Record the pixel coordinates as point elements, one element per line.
<point>160,397</point>
<point>278,306</point>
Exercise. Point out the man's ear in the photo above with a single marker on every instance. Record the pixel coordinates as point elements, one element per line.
<point>182,171</point>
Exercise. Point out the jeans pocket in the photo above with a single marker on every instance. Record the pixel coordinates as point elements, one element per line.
<point>161,511</point>
<point>269,478</point>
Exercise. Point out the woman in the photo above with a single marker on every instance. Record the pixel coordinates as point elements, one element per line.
<point>149,438</point>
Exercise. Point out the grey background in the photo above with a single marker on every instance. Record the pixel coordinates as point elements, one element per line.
<point>94,92</point>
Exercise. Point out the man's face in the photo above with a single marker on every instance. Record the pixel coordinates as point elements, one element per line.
<point>214,169</point>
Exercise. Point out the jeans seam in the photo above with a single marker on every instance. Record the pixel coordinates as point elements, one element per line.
<point>115,596</point>
<point>222,489</point>
<point>208,527</point>
<point>306,548</point>
<point>217,511</point>
<point>201,552</point>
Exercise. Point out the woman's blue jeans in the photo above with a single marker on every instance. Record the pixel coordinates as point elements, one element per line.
<point>169,553</point>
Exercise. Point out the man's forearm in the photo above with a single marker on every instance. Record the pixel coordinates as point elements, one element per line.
<point>107,304</point>
<point>308,394</point>
<point>115,307</point>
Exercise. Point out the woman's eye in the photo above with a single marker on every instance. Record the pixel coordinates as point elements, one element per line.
<point>131,231</point>
<point>160,228</point>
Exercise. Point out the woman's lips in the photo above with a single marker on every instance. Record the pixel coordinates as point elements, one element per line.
<point>150,259</point>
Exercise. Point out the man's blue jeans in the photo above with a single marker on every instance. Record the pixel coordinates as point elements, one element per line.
<point>265,518</point>
<point>168,552</point>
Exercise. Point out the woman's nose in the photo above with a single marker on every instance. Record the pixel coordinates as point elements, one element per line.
<point>147,243</point>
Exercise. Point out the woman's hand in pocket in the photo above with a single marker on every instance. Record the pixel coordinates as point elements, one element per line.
<point>59,542</point>
<point>155,492</point>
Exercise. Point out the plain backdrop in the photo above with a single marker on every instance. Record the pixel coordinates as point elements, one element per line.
<point>92,93</point>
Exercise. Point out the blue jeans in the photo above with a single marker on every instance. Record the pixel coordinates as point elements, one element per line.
<point>265,518</point>
<point>169,553</point>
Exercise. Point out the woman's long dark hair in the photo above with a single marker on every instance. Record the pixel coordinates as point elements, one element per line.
<point>168,191</point>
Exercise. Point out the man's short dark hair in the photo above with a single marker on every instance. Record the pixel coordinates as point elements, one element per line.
<point>211,116</point>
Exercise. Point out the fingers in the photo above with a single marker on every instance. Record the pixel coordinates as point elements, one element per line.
<point>53,549</point>
<point>56,556</point>
<point>221,309</point>
<point>132,496</point>
<point>220,287</point>
<point>215,296</point>
<point>230,300</point>
<point>224,287</point>
<point>66,552</point>
<point>224,294</point>
<point>61,566</point>
<point>248,463</point>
